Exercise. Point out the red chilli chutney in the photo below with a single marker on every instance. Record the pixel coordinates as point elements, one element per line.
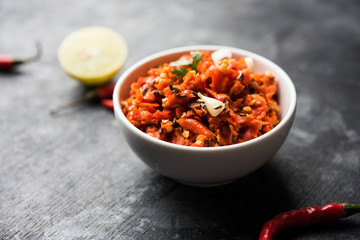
<point>203,101</point>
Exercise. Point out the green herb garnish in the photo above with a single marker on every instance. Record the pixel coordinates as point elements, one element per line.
<point>196,59</point>
<point>180,72</point>
<point>183,70</point>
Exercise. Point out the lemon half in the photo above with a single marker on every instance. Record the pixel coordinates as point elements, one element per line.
<point>93,55</point>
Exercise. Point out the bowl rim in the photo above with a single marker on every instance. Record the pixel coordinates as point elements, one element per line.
<point>118,112</point>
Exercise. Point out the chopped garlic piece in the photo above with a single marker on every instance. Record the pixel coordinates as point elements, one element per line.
<point>213,105</point>
<point>250,64</point>
<point>186,134</point>
<point>219,55</point>
<point>269,74</point>
<point>247,109</point>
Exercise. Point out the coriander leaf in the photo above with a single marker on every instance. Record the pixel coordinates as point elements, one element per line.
<point>196,59</point>
<point>179,63</point>
<point>180,72</point>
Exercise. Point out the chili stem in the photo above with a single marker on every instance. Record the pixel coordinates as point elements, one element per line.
<point>351,208</point>
<point>88,96</point>
<point>36,56</point>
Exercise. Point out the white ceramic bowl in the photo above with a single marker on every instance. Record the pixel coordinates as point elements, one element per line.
<point>213,165</point>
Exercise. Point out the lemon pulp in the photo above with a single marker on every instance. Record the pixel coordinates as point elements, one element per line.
<point>93,55</point>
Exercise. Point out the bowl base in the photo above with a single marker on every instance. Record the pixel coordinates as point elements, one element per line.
<point>205,184</point>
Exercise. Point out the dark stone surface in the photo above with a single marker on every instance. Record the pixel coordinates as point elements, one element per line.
<point>71,176</point>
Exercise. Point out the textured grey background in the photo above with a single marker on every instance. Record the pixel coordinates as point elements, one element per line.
<point>71,176</point>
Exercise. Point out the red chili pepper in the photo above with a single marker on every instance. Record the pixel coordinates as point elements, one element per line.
<point>196,127</point>
<point>102,93</point>
<point>8,63</point>
<point>108,103</point>
<point>306,216</point>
